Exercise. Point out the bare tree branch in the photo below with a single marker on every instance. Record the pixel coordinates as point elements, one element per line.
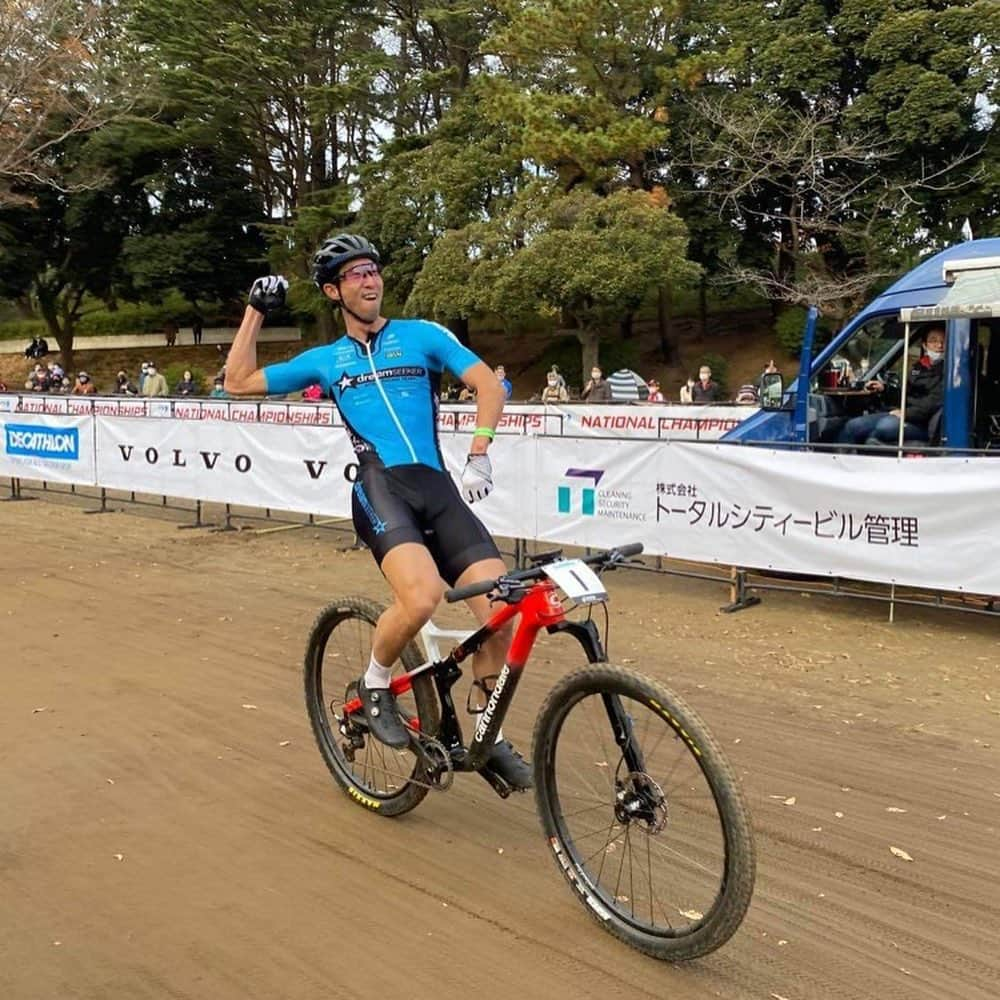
<point>57,80</point>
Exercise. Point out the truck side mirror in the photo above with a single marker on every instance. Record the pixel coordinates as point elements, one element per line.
<point>772,390</point>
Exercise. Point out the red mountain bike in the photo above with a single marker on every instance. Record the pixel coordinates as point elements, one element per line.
<point>642,811</point>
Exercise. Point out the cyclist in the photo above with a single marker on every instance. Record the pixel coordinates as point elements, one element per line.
<point>384,375</point>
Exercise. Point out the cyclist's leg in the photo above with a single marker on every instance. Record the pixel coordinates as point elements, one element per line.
<point>416,585</point>
<point>488,661</point>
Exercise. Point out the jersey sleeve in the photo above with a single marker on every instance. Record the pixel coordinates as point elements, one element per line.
<point>444,348</point>
<point>302,371</point>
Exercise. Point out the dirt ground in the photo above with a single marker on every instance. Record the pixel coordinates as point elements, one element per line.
<point>168,829</point>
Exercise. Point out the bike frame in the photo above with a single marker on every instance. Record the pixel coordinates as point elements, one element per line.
<point>538,607</point>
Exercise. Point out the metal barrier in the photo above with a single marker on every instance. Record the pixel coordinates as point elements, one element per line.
<point>744,584</point>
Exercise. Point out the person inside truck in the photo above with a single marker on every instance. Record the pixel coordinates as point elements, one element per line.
<point>924,398</point>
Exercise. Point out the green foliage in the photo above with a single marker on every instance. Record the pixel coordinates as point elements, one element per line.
<point>789,330</point>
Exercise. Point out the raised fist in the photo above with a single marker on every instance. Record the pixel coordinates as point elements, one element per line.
<point>268,294</point>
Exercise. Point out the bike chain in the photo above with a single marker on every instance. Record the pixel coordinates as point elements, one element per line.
<point>419,746</point>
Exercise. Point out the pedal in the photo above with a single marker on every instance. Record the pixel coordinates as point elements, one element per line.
<point>498,784</point>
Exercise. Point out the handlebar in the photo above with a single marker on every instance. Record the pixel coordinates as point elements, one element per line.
<point>604,560</point>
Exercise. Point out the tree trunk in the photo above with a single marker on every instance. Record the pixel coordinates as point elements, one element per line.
<point>703,306</point>
<point>589,344</point>
<point>626,326</point>
<point>459,325</point>
<point>62,333</point>
<point>664,319</point>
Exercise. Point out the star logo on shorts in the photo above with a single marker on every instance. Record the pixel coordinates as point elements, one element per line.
<point>345,382</point>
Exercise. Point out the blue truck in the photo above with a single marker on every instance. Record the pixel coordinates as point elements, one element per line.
<point>957,289</point>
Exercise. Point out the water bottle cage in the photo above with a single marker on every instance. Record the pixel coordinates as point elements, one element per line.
<point>480,684</point>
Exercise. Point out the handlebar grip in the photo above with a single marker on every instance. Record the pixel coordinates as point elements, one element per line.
<point>632,549</point>
<point>472,590</point>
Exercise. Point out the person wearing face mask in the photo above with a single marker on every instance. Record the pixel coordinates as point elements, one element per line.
<point>597,390</point>
<point>924,398</point>
<point>553,391</point>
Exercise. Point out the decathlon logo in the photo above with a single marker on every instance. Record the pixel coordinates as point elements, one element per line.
<point>587,495</point>
<point>30,441</point>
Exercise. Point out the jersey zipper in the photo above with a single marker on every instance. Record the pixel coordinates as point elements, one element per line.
<point>388,405</point>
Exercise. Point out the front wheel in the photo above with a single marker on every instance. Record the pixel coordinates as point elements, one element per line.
<point>644,815</point>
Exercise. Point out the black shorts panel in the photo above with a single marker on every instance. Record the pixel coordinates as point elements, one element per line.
<point>415,503</point>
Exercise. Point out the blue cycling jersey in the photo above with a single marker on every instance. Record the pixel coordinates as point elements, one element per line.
<point>386,390</point>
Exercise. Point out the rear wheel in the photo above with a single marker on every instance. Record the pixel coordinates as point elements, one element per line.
<point>643,813</point>
<point>378,777</point>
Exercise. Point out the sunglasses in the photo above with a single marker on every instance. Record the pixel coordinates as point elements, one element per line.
<point>355,275</point>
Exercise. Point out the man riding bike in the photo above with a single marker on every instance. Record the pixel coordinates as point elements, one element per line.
<point>384,375</point>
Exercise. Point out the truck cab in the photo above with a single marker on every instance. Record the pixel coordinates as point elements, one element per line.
<point>958,290</point>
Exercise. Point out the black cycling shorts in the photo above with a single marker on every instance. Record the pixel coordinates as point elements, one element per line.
<point>415,503</point>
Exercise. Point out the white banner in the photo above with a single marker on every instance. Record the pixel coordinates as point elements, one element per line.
<point>931,523</point>
<point>649,420</point>
<point>654,421</point>
<point>57,449</point>
<point>286,468</point>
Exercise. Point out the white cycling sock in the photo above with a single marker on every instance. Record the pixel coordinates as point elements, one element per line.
<point>377,676</point>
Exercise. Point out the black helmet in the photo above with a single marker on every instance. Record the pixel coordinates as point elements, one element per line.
<point>336,251</point>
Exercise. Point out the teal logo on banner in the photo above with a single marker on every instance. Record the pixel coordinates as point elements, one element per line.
<point>588,494</point>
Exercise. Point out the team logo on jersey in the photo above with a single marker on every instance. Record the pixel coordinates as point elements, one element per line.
<point>346,381</point>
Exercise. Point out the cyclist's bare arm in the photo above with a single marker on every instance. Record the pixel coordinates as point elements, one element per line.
<point>243,377</point>
<point>489,401</point>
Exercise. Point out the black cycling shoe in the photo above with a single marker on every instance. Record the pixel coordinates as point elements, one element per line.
<point>382,716</point>
<point>505,761</point>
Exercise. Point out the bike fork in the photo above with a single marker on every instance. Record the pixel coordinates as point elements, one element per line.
<point>621,728</point>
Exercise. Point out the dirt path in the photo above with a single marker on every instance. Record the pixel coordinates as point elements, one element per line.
<point>158,838</point>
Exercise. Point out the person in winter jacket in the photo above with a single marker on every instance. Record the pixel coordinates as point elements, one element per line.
<point>924,398</point>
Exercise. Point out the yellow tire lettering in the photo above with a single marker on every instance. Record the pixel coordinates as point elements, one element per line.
<point>363,799</point>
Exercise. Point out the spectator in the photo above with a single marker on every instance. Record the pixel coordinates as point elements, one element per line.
<point>450,393</point>
<point>83,387</point>
<point>197,330</point>
<point>501,375</point>
<point>56,371</point>
<point>747,395</point>
<point>558,374</point>
<point>38,348</point>
<point>553,391</point>
<point>924,398</point>
<point>769,369</point>
<point>467,395</point>
<point>685,393</point>
<point>39,380</point>
<point>597,390</point>
<point>218,390</point>
<point>313,393</point>
<point>655,396</point>
<point>187,385</point>
<point>627,386</point>
<point>705,390</point>
<point>143,372</point>
<point>3,386</point>
<point>170,332</point>
<point>154,384</point>
<point>123,387</point>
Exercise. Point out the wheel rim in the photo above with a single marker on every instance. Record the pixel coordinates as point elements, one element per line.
<point>341,657</point>
<point>650,846</point>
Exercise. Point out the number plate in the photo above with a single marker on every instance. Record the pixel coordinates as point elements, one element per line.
<point>576,580</point>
